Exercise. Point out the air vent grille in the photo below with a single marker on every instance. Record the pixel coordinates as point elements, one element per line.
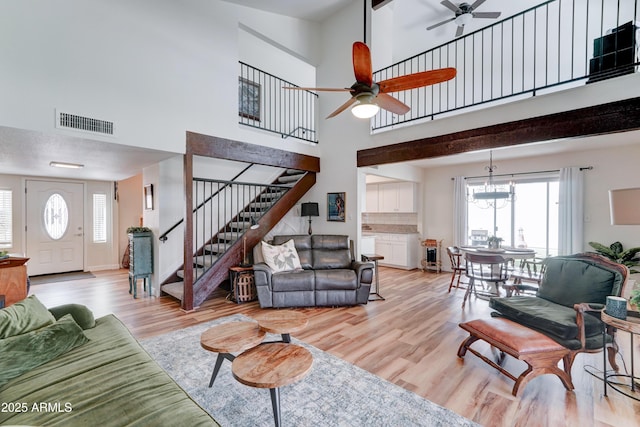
<point>88,124</point>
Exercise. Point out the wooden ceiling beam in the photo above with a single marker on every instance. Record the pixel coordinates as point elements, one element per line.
<point>614,117</point>
<point>221,148</point>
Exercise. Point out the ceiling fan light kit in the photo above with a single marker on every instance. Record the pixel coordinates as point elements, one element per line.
<point>464,14</point>
<point>365,108</point>
<point>464,19</point>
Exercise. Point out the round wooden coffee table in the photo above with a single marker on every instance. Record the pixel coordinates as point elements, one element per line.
<point>272,365</point>
<point>282,322</point>
<point>230,338</point>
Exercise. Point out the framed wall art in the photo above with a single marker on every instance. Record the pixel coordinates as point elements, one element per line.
<point>148,196</point>
<point>248,99</point>
<point>336,206</point>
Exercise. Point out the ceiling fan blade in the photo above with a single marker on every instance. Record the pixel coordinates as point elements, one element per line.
<point>441,23</point>
<point>477,3</point>
<point>451,6</point>
<point>362,63</point>
<point>460,30</point>
<point>343,107</point>
<point>491,15</point>
<point>319,89</point>
<point>390,103</point>
<point>412,81</point>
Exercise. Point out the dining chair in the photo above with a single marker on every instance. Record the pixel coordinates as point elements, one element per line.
<point>457,268</point>
<point>530,272</point>
<point>491,269</point>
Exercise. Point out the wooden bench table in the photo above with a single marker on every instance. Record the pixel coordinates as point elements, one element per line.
<point>540,352</point>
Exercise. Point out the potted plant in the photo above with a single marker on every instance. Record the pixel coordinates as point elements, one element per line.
<point>634,300</point>
<point>494,242</point>
<point>134,230</point>
<point>615,252</point>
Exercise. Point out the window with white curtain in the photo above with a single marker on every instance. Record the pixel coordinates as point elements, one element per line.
<point>99,218</point>
<point>530,220</point>
<point>6,218</point>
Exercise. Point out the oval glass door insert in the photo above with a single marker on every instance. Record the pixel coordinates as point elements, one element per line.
<point>56,216</point>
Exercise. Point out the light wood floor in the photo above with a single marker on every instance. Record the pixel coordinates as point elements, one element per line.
<point>411,339</point>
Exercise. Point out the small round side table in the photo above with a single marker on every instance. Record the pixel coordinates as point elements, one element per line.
<point>632,325</point>
<point>230,338</point>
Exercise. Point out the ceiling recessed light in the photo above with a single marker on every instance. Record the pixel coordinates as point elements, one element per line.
<point>66,165</point>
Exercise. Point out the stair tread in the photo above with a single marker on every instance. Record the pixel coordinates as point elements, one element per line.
<point>175,289</point>
<point>217,247</point>
<point>294,172</point>
<point>197,272</point>
<point>205,261</point>
<point>228,236</point>
<point>288,178</point>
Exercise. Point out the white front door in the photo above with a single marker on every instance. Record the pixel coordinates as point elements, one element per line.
<point>55,230</point>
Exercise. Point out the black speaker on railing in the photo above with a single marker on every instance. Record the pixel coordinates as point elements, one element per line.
<point>614,54</point>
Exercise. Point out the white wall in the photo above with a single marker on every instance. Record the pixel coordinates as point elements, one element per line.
<point>612,168</point>
<point>156,68</point>
<point>129,209</point>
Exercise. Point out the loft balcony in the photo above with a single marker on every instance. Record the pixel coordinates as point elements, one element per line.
<point>556,45</point>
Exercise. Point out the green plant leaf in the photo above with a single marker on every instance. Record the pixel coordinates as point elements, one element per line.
<point>603,250</point>
<point>630,254</point>
<point>616,247</point>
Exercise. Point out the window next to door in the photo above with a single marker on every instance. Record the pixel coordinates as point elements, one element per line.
<point>99,218</point>
<point>6,218</point>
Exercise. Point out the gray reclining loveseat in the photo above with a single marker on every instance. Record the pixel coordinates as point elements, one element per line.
<point>329,275</point>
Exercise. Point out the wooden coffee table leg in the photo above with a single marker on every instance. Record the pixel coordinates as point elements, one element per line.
<point>275,403</point>
<point>219,360</point>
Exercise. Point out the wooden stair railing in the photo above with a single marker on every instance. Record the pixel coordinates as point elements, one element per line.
<point>221,148</point>
<point>219,272</point>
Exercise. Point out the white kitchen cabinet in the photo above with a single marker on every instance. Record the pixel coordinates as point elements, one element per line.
<point>372,198</point>
<point>395,197</point>
<point>398,250</point>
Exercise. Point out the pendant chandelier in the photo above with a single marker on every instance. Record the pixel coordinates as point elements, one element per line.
<point>493,195</point>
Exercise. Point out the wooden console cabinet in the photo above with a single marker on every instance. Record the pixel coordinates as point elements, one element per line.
<point>13,279</point>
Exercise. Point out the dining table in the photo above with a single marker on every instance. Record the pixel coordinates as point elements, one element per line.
<point>505,252</point>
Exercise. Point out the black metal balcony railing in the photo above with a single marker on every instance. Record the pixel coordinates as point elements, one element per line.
<point>264,104</point>
<point>548,47</point>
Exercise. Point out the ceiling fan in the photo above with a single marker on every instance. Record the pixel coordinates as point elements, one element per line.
<point>464,14</point>
<point>369,96</point>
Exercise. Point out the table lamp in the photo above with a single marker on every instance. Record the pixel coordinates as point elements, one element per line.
<point>625,206</point>
<point>309,209</point>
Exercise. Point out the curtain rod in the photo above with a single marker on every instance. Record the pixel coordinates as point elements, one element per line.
<point>523,173</point>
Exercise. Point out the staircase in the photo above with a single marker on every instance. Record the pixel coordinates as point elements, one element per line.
<point>220,251</point>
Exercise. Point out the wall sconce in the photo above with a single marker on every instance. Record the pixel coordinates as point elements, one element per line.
<point>309,209</point>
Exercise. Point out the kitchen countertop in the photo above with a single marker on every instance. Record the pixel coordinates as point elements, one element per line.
<point>371,232</point>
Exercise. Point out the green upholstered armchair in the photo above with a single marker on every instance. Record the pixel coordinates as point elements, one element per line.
<point>567,305</point>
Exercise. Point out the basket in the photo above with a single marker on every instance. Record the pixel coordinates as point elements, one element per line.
<point>245,288</point>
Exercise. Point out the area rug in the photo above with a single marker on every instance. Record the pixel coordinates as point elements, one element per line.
<point>334,393</point>
<point>61,277</point>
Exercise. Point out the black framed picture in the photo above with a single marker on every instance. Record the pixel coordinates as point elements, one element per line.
<point>148,196</point>
<point>248,99</point>
<point>336,206</point>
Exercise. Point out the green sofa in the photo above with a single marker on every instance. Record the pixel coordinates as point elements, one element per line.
<point>567,305</point>
<point>106,378</point>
